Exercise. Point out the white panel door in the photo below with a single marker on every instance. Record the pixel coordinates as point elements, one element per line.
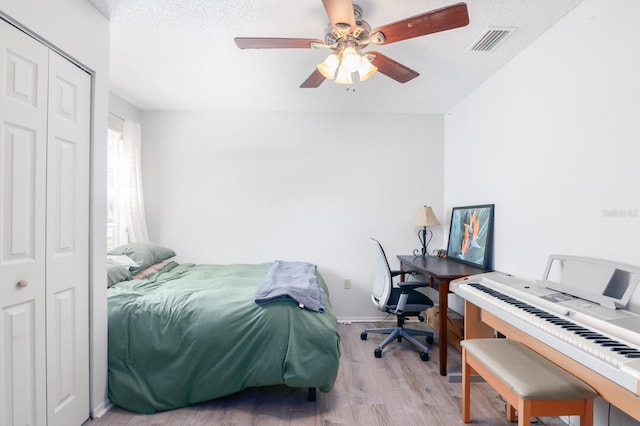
<point>68,243</point>
<point>23,137</point>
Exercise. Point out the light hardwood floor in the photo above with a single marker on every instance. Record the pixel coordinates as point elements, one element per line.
<point>397,389</point>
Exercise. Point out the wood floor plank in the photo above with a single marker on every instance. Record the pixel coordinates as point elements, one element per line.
<point>397,389</point>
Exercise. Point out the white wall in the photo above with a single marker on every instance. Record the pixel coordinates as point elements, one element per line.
<point>120,109</point>
<point>237,187</point>
<point>76,28</point>
<point>553,140</point>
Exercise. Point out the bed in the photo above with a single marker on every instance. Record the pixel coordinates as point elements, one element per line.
<point>185,333</point>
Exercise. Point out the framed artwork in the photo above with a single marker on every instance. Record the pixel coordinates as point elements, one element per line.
<point>471,235</point>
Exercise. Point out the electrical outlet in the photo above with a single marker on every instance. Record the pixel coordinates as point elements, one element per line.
<point>347,283</point>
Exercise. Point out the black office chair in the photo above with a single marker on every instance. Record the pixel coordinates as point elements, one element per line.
<point>402,301</point>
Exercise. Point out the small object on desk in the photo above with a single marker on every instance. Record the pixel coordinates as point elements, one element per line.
<point>426,218</point>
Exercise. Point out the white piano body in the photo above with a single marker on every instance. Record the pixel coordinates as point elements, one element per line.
<point>575,316</point>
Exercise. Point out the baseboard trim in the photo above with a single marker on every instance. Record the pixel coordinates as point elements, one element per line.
<point>101,409</point>
<point>346,320</point>
<point>389,318</point>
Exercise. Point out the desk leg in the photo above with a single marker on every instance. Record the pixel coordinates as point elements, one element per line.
<point>442,332</point>
<point>402,269</point>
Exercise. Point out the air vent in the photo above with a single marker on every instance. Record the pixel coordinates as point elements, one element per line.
<point>491,38</point>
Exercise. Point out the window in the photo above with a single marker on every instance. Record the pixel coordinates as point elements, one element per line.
<point>116,200</point>
<point>125,201</point>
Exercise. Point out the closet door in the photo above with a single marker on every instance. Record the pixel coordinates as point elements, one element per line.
<point>23,138</point>
<point>68,243</point>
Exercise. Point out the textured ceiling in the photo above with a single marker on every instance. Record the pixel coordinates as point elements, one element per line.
<point>180,55</point>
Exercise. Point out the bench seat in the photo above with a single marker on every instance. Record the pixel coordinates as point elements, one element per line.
<point>529,383</point>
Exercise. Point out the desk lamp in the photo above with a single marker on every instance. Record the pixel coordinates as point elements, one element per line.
<point>426,217</point>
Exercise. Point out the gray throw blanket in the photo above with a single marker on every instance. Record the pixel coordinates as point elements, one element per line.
<point>296,281</point>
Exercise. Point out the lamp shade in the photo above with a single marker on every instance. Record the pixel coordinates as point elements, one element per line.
<point>426,217</point>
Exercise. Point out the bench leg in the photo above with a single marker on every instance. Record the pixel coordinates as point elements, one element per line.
<point>524,412</point>
<point>466,388</point>
<point>511,412</point>
<point>586,419</point>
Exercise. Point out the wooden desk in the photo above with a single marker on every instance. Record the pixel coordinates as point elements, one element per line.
<point>439,272</point>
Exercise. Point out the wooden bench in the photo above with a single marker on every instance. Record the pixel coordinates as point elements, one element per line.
<point>528,382</point>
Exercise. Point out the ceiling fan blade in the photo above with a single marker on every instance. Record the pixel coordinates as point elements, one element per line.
<point>313,81</point>
<point>443,19</point>
<point>340,12</point>
<point>274,43</point>
<point>391,68</point>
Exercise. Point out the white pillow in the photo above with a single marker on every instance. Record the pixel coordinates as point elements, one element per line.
<point>123,260</point>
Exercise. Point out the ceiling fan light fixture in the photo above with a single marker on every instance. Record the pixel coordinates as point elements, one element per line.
<point>351,59</point>
<point>348,35</point>
<point>329,67</point>
<point>367,69</point>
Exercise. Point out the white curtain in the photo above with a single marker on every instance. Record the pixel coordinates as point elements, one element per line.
<point>132,162</point>
<point>116,213</point>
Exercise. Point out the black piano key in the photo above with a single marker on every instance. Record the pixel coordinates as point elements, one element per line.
<point>621,348</point>
<point>613,344</point>
<point>574,327</point>
<point>594,337</point>
<point>587,333</point>
<point>560,321</point>
<point>628,351</point>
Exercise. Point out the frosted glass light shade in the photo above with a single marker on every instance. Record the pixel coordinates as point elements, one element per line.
<point>343,76</point>
<point>351,59</point>
<point>367,69</point>
<point>329,66</point>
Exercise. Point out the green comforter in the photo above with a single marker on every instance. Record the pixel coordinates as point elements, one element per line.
<point>191,333</point>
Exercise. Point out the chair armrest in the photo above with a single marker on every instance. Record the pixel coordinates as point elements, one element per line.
<point>395,273</point>
<point>410,285</point>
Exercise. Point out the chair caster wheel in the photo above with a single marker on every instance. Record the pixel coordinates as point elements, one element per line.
<point>429,340</point>
<point>424,356</point>
<point>363,335</point>
<point>378,353</point>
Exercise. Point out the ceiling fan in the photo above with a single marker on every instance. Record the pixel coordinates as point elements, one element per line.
<point>347,35</point>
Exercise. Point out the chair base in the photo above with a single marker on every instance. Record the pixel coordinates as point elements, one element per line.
<point>399,333</point>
